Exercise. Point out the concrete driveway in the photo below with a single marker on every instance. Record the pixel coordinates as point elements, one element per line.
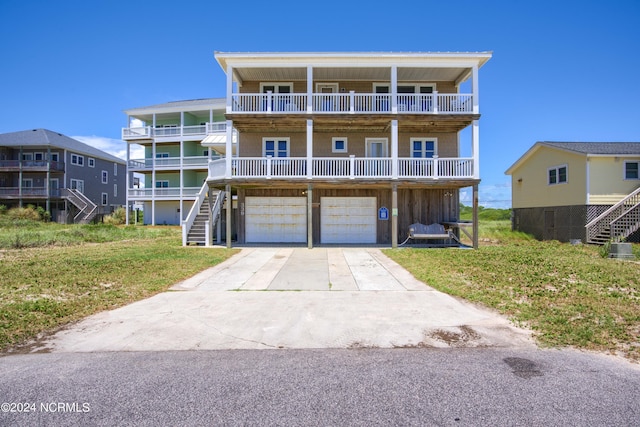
<point>293,298</point>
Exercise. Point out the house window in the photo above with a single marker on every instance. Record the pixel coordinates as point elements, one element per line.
<point>162,184</point>
<point>105,199</point>
<point>558,175</point>
<point>27,156</point>
<point>275,147</point>
<point>424,147</point>
<point>77,160</point>
<point>115,169</point>
<point>27,182</point>
<point>631,170</point>
<point>38,157</point>
<point>339,144</point>
<point>91,162</point>
<point>55,157</point>
<point>276,87</point>
<point>105,177</point>
<point>115,190</point>
<point>77,184</point>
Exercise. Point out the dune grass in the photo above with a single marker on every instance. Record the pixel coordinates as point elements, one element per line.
<point>569,295</point>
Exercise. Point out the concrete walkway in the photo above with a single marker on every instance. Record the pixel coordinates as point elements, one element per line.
<point>323,298</point>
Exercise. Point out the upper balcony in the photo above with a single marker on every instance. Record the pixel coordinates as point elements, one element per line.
<point>352,103</point>
<point>168,163</point>
<point>31,166</point>
<point>172,131</point>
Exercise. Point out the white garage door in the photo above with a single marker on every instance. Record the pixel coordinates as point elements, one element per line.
<point>276,219</point>
<point>348,219</point>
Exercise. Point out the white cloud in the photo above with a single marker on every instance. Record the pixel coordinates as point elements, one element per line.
<point>112,146</point>
<point>489,195</point>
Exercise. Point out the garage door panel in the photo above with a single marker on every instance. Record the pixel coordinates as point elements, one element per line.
<point>348,219</point>
<point>276,219</point>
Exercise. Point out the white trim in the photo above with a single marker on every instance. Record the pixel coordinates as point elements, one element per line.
<point>422,140</point>
<point>275,139</point>
<point>115,190</point>
<point>115,169</point>
<point>35,156</point>
<point>370,141</point>
<point>27,157</point>
<point>104,199</point>
<point>91,162</point>
<point>104,177</point>
<point>77,184</point>
<point>56,155</point>
<point>337,139</point>
<point>557,169</point>
<point>25,180</point>
<point>276,86</point>
<point>161,181</point>
<point>416,87</point>
<point>624,170</point>
<point>334,86</point>
<point>79,160</point>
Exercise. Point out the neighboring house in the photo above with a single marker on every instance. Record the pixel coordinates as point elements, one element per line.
<point>71,180</point>
<point>586,191</point>
<point>175,143</point>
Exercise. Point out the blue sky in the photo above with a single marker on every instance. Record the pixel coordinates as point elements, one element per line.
<point>561,70</point>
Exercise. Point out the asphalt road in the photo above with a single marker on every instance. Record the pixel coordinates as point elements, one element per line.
<point>365,387</point>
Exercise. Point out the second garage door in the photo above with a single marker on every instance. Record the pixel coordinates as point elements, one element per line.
<point>348,219</point>
<point>276,219</point>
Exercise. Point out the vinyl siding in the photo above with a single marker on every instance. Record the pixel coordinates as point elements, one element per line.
<point>607,185</point>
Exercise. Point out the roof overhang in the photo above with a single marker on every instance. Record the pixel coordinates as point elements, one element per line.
<point>354,66</point>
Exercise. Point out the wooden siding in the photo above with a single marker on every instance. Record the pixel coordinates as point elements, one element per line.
<point>250,144</point>
<point>425,206</point>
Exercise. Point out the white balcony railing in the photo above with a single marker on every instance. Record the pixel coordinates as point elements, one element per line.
<point>163,193</point>
<point>166,131</point>
<point>347,168</point>
<point>353,103</point>
<point>168,163</point>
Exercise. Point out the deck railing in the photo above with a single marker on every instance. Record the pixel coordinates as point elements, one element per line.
<point>613,219</point>
<point>352,103</point>
<point>31,165</point>
<point>350,168</point>
<point>164,131</point>
<point>170,192</point>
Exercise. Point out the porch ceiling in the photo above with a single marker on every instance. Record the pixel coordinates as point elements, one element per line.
<point>408,74</point>
<point>360,123</point>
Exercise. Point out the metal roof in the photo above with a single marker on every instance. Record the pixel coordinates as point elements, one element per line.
<point>46,138</point>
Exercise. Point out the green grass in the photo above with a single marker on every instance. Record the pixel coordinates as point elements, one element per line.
<point>569,295</point>
<point>97,268</point>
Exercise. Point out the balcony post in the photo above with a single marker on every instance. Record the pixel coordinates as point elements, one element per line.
<point>394,149</point>
<point>352,166</point>
<point>228,149</point>
<point>352,101</point>
<point>48,185</point>
<point>474,90</point>
<point>475,216</point>
<point>153,178</point>
<point>229,88</point>
<point>268,167</point>
<point>394,89</point>
<point>269,100</point>
<point>435,167</point>
<point>309,149</point>
<point>475,148</point>
<point>309,216</point>
<point>435,102</point>
<point>394,215</point>
<point>127,183</point>
<point>309,89</point>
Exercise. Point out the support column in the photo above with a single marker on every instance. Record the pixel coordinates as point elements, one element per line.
<point>309,149</point>
<point>229,209</point>
<point>20,178</point>
<point>153,179</point>
<point>48,183</point>
<point>475,148</point>
<point>309,216</point>
<point>309,89</point>
<point>475,216</point>
<point>127,181</point>
<point>474,90</point>
<point>394,149</point>
<point>394,215</point>
<point>393,90</point>
<point>229,88</point>
<point>229,149</point>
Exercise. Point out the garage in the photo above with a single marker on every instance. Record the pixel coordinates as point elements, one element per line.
<point>348,219</point>
<point>276,219</point>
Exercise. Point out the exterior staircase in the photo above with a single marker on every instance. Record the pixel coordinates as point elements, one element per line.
<point>617,222</point>
<point>87,209</point>
<point>196,229</point>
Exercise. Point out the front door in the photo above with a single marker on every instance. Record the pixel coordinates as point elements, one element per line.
<point>376,147</point>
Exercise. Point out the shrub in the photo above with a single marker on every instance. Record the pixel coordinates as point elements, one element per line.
<point>3,209</point>
<point>119,216</point>
<point>24,213</point>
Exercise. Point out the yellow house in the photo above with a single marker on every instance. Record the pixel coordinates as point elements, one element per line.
<point>577,190</point>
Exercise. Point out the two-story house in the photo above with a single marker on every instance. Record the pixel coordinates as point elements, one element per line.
<point>169,147</point>
<point>588,191</point>
<point>71,180</point>
<point>346,148</point>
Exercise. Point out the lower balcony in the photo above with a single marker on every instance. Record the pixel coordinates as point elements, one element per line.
<point>28,193</point>
<point>170,193</point>
<point>344,168</point>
